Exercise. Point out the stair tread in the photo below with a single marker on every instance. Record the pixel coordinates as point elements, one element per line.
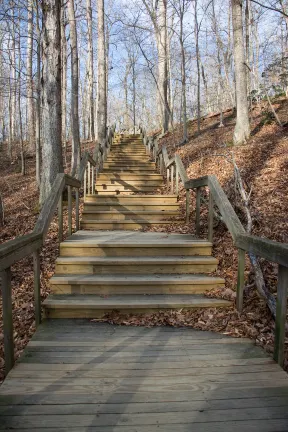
<point>132,301</point>
<point>141,197</point>
<point>199,259</point>
<point>127,212</point>
<point>139,279</point>
<point>132,238</point>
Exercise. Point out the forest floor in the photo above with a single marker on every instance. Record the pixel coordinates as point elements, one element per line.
<point>263,164</point>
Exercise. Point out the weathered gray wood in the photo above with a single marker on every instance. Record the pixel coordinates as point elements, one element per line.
<point>85,183</point>
<point>187,205</point>
<point>93,180</point>
<point>172,178</point>
<point>168,177</point>
<point>198,204</point>
<point>89,177</point>
<point>72,181</point>
<point>37,286</point>
<point>91,160</point>
<point>271,250</point>
<point>182,172</point>
<point>69,210</point>
<point>60,219</point>
<point>177,180</point>
<point>228,213</point>
<point>77,204</point>
<point>210,217</point>
<point>196,183</point>
<point>48,210</point>
<point>240,279</point>
<point>16,249</point>
<point>281,313</point>
<point>7,319</point>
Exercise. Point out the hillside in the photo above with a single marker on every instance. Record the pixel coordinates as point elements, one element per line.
<point>263,162</point>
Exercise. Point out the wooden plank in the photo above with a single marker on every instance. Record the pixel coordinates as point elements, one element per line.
<point>37,286</point>
<point>240,279</point>
<point>17,249</point>
<point>265,248</point>
<point>60,219</point>
<point>69,210</point>
<point>104,420</point>
<point>48,209</point>
<point>49,397</point>
<point>198,204</point>
<point>72,181</point>
<point>196,183</point>
<point>7,319</point>
<point>187,206</point>
<point>281,313</point>
<point>228,213</point>
<point>77,209</point>
<point>210,217</point>
<point>147,407</point>
<point>181,169</point>
<point>279,425</point>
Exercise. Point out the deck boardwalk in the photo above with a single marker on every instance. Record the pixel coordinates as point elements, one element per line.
<point>81,376</point>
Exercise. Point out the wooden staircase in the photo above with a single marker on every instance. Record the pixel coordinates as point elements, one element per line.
<point>123,269</point>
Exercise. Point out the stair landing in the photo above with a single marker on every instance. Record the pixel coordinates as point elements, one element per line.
<point>80,376</point>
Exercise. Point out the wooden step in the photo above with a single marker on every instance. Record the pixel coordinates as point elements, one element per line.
<point>132,187</point>
<point>131,170</point>
<point>93,306</point>
<point>119,164</point>
<point>136,207</point>
<point>90,224</point>
<point>135,265</point>
<point>130,199</point>
<point>130,243</point>
<point>124,214</point>
<point>112,177</point>
<point>111,284</point>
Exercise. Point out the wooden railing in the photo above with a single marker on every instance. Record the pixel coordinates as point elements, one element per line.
<point>261,247</point>
<point>30,244</point>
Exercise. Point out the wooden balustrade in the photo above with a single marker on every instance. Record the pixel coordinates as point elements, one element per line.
<point>268,249</point>
<point>31,244</point>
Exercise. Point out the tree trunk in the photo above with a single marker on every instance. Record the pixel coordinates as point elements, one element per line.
<point>102,92</point>
<point>161,38</point>
<point>198,67</point>
<point>183,78</point>
<point>64,77</point>
<point>51,97</point>
<point>75,158</point>
<point>242,128</point>
<point>30,100</point>
<point>90,72</point>
<point>38,102</point>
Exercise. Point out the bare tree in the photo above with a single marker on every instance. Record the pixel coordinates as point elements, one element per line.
<point>75,158</point>
<point>30,99</point>
<point>242,128</point>
<point>90,71</point>
<point>102,82</point>
<point>51,97</point>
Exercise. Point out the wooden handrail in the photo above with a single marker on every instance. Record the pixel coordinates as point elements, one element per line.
<point>30,244</point>
<point>265,248</point>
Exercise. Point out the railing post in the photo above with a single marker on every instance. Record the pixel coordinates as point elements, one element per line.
<point>60,218</point>
<point>187,205</point>
<point>240,279</point>
<point>177,181</point>
<point>167,176</point>
<point>37,286</point>
<point>89,177</point>
<point>281,311</point>
<point>172,179</point>
<point>69,210</point>
<point>7,319</point>
<point>198,204</point>
<point>210,217</point>
<point>77,210</point>
<point>85,183</point>
<point>93,180</point>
